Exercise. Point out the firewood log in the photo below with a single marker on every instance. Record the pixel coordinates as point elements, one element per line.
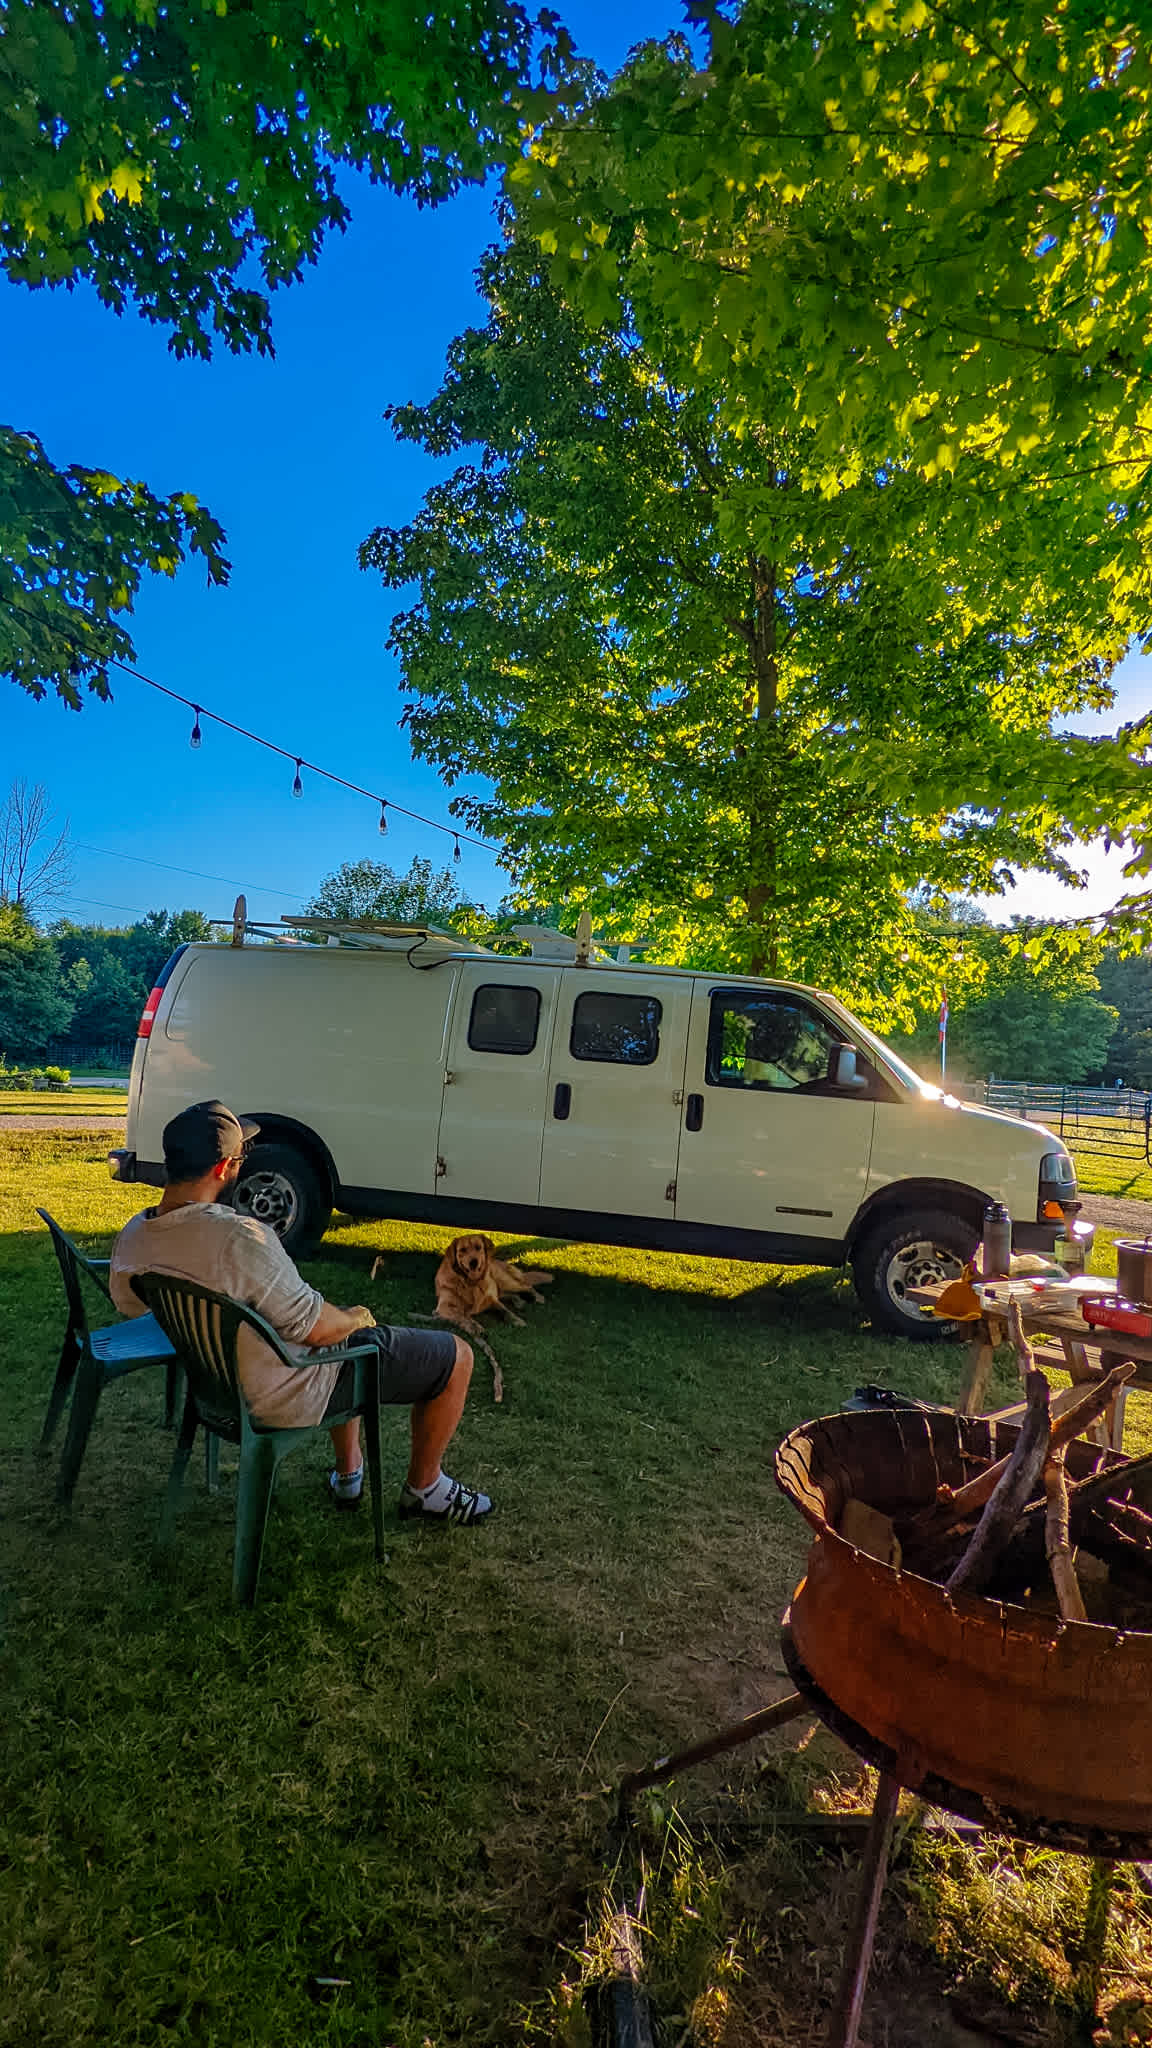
<point>994,1531</point>
<point>1088,1503</point>
<point>1057,1547</point>
<point>957,1504</point>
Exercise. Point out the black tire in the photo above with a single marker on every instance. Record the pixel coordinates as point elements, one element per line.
<point>280,1186</point>
<point>925,1246</point>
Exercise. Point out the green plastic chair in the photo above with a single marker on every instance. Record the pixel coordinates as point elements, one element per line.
<point>90,1359</point>
<point>204,1328</point>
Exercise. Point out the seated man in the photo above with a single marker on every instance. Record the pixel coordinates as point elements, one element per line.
<point>191,1236</point>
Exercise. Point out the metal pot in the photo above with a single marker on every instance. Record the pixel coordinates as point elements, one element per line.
<point>1134,1269</point>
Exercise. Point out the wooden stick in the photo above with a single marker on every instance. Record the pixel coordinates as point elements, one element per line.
<point>993,1531</point>
<point>1057,1548</point>
<point>1135,1474</point>
<point>1085,1498</point>
<point>966,1499</point>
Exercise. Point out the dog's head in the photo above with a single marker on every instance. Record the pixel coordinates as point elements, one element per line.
<point>470,1256</point>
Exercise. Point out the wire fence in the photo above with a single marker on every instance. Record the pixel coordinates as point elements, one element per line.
<point>1104,1123</point>
<point>113,1056</point>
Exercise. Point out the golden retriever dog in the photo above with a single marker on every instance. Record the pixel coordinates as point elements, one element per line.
<point>470,1281</point>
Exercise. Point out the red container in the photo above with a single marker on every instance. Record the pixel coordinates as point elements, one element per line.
<point>1112,1312</point>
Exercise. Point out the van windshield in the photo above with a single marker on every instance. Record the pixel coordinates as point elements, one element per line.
<point>894,1063</point>
<point>898,1068</point>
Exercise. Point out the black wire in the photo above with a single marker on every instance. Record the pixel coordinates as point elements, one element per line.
<point>229,881</point>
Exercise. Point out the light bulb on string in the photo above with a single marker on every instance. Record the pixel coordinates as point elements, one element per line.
<point>383,815</point>
<point>298,786</point>
<point>196,735</point>
<point>456,848</point>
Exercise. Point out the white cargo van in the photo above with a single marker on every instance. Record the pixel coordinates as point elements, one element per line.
<point>406,1073</point>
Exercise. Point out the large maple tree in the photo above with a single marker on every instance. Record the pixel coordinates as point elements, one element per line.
<point>729,710</point>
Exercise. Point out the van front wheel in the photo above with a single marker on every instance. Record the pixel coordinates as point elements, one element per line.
<point>282,1188</point>
<point>911,1251</point>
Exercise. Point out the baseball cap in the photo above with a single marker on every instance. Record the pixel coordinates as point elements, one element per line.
<point>200,1137</point>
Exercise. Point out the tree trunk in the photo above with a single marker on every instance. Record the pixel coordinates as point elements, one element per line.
<point>762,909</point>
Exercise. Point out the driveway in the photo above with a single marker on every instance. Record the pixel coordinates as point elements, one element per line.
<point>1113,1213</point>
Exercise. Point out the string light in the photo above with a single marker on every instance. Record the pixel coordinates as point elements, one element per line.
<point>199,711</point>
<point>383,815</point>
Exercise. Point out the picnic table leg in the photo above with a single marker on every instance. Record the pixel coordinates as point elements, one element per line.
<point>1113,1417</point>
<point>982,1353</point>
<point>1080,1368</point>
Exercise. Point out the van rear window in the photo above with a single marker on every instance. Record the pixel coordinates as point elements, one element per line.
<point>622,1029</point>
<point>505,1018</point>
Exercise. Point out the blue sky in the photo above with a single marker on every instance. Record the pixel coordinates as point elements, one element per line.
<point>295,460</point>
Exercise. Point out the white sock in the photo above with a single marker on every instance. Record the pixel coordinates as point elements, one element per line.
<point>434,1495</point>
<point>347,1485</point>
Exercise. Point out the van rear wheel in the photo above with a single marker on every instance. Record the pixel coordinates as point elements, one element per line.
<point>280,1186</point>
<point>911,1251</point>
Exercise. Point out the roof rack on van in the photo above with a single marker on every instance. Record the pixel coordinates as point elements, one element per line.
<point>559,947</point>
<point>381,933</point>
<point>436,943</point>
<point>358,932</point>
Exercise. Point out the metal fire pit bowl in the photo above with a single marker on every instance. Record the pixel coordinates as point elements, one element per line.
<point>1031,1725</point>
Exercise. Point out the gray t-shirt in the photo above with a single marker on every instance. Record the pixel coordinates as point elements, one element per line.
<point>234,1255</point>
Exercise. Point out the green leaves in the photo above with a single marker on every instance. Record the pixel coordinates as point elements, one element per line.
<point>184,161</point>
<point>76,543</point>
<point>158,154</point>
<point>933,227</point>
<point>729,708</point>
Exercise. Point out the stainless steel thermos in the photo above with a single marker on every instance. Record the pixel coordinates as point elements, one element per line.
<point>996,1257</point>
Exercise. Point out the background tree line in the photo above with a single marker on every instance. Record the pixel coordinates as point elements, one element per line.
<point>85,983</point>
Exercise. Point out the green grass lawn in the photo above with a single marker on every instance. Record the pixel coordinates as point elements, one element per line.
<point>1127,1178</point>
<point>398,1777</point>
<point>63,1102</point>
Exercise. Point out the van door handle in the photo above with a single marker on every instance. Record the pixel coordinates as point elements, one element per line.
<point>562,1101</point>
<point>694,1114</point>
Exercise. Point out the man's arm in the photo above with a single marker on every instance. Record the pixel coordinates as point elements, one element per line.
<point>333,1325</point>
<point>276,1290</point>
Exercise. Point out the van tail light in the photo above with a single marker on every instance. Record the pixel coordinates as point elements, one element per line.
<point>148,1014</point>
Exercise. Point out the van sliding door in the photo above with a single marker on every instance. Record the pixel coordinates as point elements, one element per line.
<point>613,1118</point>
<point>495,1083</point>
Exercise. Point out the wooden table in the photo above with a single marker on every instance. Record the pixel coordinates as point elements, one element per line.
<point>1084,1353</point>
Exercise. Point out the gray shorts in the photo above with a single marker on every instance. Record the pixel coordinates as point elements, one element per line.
<point>413,1365</point>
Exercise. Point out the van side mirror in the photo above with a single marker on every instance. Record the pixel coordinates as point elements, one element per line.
<point>844,1072</point>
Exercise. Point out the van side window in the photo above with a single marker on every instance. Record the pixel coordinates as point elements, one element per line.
<point>767,1041</point>
<point>623,1029</point>
<point>505,1018</point>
